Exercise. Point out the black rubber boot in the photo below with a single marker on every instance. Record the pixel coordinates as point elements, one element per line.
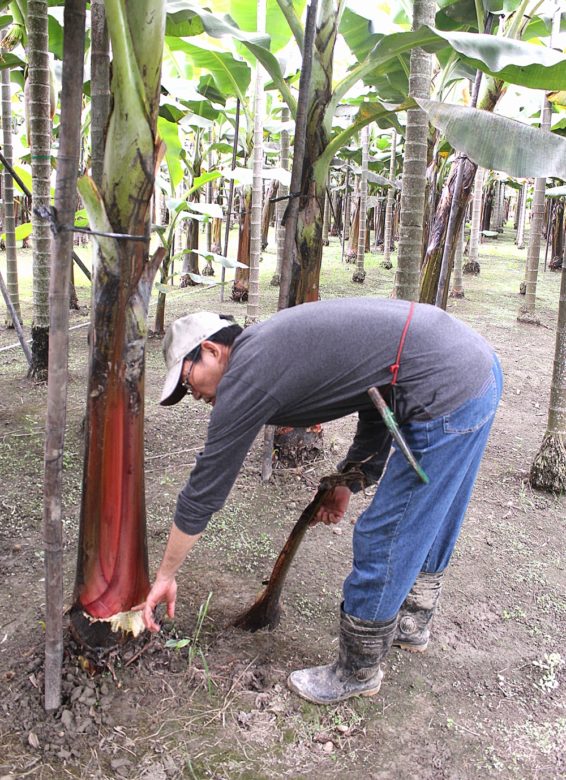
<point>363,645</point>
<point>416,613</point>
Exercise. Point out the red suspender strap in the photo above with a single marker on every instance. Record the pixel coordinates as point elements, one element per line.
<point>395,367</point>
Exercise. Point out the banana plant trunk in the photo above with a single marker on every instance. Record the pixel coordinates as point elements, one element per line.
<point>112,571</point>
<point>433,258</point>
<point>307,250</point>
<point>240,286</point>
<point>432,263</point>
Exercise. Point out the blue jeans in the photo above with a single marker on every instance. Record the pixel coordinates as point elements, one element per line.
<point>409,526</point>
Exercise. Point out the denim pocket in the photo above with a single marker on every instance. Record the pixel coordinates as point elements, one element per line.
<point>473,414</point>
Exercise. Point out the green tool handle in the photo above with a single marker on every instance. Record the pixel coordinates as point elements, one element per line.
<point>393,428</point>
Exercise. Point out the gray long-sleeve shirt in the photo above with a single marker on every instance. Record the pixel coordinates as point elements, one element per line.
<point>314,363</point>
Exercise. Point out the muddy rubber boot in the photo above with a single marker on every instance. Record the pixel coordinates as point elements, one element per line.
<point>363,645</point>
<point>416,613</point>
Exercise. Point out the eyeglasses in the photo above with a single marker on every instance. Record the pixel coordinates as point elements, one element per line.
<point>186,382</point>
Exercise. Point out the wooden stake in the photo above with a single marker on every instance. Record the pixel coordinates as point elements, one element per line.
<point>65,199</point>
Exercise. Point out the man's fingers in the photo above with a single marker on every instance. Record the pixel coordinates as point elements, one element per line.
<point>149,620</point>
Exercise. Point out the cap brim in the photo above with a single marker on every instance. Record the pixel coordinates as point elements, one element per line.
<point>173,391</point>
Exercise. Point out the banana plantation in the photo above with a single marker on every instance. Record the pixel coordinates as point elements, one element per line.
<point>163,157</point>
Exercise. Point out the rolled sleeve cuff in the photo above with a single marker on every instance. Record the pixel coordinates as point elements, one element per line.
<point>188,523</point>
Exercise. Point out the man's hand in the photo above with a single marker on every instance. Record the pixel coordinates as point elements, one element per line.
<point>334,506</point>
<point>162,590</point>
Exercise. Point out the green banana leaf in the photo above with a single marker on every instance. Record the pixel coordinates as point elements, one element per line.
<point>361,32</point>
<point>9,60</point>
<point>55,32</point>
<point>169,132</point>
<point>186,18</point>
<point>525,64</point>
<point>220,26</point>
<point>226,262</point>
<point>213,210</point>
<point>231,76</point>
<point>244,13</point>
<point>498,143</point>
<point>556,192</point>
<point>209,281</point>
<point>21,232</point>
<point>272,66</point>
<point>207,88</point>
<point>244,176</point>
<point>516,62</point>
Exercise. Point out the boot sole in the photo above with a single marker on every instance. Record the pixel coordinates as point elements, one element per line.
<point>411,648</point>
<point>351,695</point>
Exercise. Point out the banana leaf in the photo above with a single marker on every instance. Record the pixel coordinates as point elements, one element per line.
<point>497,143</point>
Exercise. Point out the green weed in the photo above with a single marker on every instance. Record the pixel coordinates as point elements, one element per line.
<point>192,643</point>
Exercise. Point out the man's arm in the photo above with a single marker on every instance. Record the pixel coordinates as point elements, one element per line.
<point>164,588</point>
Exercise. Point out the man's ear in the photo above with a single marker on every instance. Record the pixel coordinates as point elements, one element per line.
<point>216,350</point>
<point>210,346</point>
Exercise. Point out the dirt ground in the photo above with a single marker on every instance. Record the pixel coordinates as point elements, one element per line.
<point>486,700</point>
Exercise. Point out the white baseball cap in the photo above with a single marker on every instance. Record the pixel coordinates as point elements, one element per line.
<point>182,337</point>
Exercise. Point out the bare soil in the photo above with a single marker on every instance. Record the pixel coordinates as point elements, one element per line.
<point>486,700</point>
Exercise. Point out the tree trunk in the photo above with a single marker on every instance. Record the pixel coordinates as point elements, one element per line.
<point>495,214</point>
<point>336,225</point>
<point>252,314</point>
<point>8,200</point>
<point>360,274</point>
<point>457,284</point>
<point>281,204</point>
<point>527,307</point>
<point>438,264</point>
<point>190,258</point>
<point>112,572</point>
<point>303,230</point>
<point>473,266</point>
<point>548,471</point>
<point>433,259</point>
<point>39,107</point>
<point>216,235</point>
<point>65,200</point>
<point>209,190</point>
<point>413,186</point>
<point>99,87</point>
<point>557,235</point>
<point>347,216</point>
<point>268,211</point>
<point>388,238</point>
<point>522,217</point>
<point>353,242</point>
<point>438,230</point>
<point>326,218</point>
<point>242,275</point>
